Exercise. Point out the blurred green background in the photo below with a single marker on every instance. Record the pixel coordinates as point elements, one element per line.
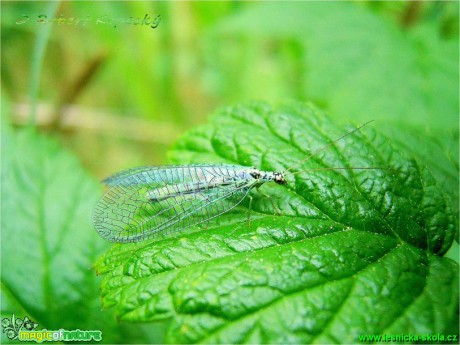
<point>117,95</point>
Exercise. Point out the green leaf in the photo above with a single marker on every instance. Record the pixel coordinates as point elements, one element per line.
<point>333,255</point>
<point>48,241</point>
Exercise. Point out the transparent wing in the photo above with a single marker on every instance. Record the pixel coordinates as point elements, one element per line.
<point>169,174</point>
<point>122,175</point>
<point>131,212</point>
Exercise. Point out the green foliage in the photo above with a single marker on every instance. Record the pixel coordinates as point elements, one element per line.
<point>351,252</point>
<point>354,59</point>
<point>48,241</point>
<point>351,61</point>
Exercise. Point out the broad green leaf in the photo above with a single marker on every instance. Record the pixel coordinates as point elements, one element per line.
<point>48,241</point>
<point>333,255</point>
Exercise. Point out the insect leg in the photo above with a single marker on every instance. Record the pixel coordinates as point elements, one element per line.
<point>249,211</point>
<point>276,209</point>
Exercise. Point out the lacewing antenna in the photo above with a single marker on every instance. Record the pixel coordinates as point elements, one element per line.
<point>341,168</point>
<point>327,146</point>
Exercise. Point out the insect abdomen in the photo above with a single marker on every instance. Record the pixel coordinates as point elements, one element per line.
<point>170,191</point>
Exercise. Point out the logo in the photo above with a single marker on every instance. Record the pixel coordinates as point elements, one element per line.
<point>26,330</point>
<point>13,326</point>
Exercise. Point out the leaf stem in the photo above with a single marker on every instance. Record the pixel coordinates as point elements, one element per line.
<point>37,60</point>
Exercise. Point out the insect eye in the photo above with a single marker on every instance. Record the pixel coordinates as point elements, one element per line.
<point>279,178</point>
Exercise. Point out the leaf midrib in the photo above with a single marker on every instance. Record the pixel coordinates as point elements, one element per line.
<point>260,309</point>
<point>118,290</point>
<point>120,266</point>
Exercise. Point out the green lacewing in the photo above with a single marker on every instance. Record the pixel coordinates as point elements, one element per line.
<point>145,202</point>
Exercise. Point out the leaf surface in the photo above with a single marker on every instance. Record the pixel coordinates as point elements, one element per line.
<point>48,241</point>
<point>333,255</point>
